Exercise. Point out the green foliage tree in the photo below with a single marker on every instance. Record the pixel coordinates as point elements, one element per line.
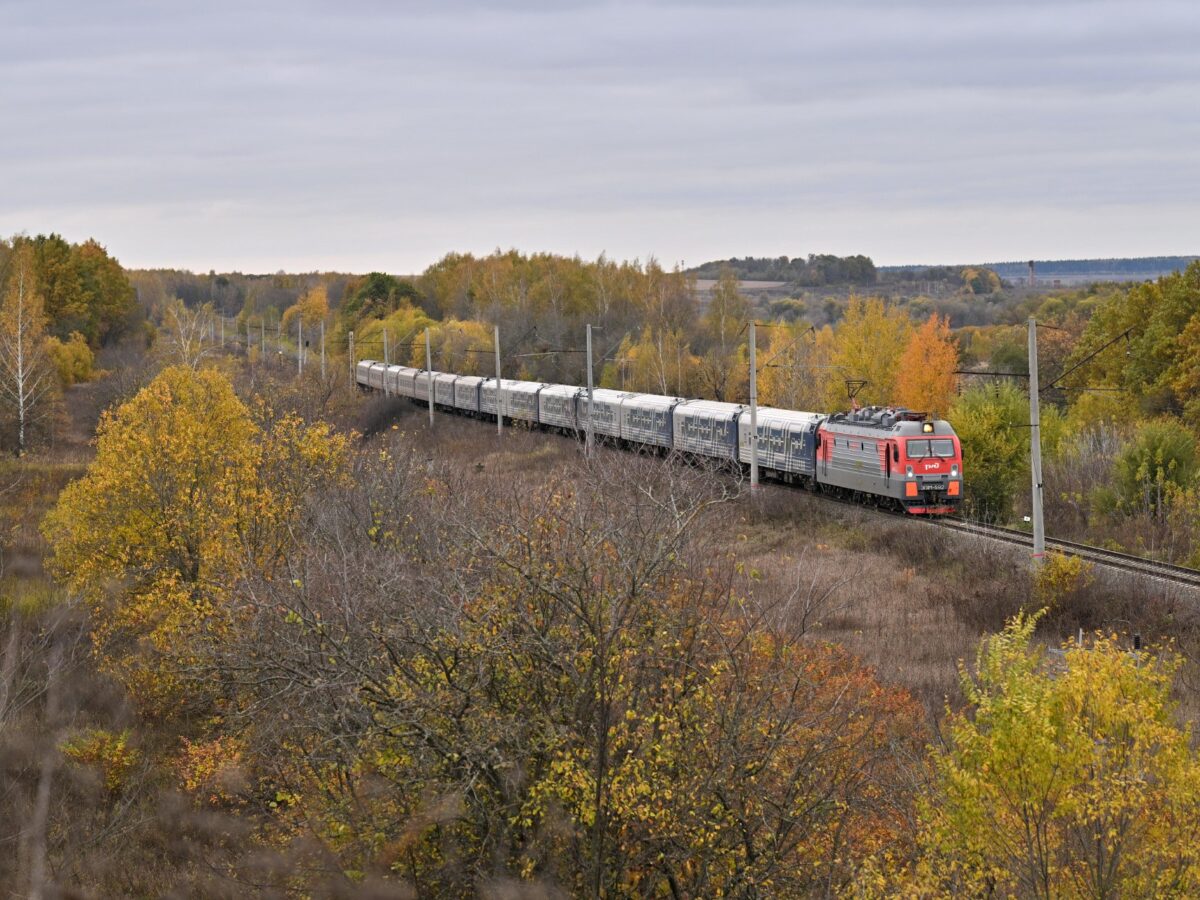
<point>1158,358</point>
<point>995,447</point>
<point>1160,458</point>
<point>85,289</point>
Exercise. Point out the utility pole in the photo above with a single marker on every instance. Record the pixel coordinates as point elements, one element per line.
<point>322,349</point>
<point>753,412</point>
<point>386,359</point>
<point>590,436</point>
<point>222,332</point>
<point>1035,447</point>
<point>499,412</point>
<point>353,366</point>
<point>262,327</point>
<point>300,346</point>
<point>429,374</point>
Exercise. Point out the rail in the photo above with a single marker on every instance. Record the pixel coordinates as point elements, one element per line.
<point>1113,559</point>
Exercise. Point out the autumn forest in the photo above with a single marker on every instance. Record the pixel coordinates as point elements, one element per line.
<point>265,634</point>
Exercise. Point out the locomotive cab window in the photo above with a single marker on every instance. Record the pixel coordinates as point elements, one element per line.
<point>943,448</point>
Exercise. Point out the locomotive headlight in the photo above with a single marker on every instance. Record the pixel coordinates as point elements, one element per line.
<point>954,471</point>
<point>908,471</point>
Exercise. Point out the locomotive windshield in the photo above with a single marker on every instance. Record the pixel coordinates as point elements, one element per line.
<point>942,448</point>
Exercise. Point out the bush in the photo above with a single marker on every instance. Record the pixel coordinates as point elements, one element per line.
<point>1161,458</point>
<point>73,359</point>
<point>1060,577</point>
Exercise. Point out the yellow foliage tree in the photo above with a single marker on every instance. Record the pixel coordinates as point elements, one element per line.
<point>73,359</point>
<point>869,343</point>
<point>456,346</point>
<point>312,309</point>
<point>925,379</point>
<point>797,375</point>
<point>405,325</point>
<point>1071,780</point>
<point>186,491</point>
<point>660,362</point>
<point>723,368</point>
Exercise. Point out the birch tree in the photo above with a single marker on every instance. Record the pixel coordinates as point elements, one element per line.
<point>26,376</point>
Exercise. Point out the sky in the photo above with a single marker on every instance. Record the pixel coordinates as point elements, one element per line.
<point>370,135</point>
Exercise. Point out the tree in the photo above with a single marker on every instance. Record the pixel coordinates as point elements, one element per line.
<point>1160,458</point>
<point>456,346</point>
<point>723,370</point>
<point>559,684</point>
<point>1070,779</point>
<point>186,492</point>
<point>659,362</point>
<point>73,359</point>
<point>870,340</point>
<point>797,374</point>
<point>26,377</point>
<point>312,309</point>
<point>185,336</point>
<point>925,378</point>
<point>995,447</point>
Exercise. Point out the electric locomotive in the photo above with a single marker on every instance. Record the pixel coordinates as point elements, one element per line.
<point>892,456</point>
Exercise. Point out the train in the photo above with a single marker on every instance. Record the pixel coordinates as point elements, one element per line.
<point>885,456</point>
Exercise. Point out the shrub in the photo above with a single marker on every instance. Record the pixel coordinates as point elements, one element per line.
<point>1160,458</point>
<point>73,359</point>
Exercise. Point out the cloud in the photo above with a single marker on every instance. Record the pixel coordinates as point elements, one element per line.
<point>372,134</point>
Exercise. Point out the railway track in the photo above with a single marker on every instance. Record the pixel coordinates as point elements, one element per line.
<point>1126,562</point>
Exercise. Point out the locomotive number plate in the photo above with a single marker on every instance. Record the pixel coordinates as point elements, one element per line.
<point>934,485</point>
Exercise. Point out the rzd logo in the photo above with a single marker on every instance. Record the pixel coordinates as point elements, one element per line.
<point>929,466</point>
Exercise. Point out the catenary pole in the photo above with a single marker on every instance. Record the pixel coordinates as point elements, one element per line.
<point>429,374</point>
<point>322,349</point>
<point>300,346</point>
<point>353,365</point>
<point>753,411</point>
<point>499,410</point>
<point>1035,447</point>
<point>590,439</point>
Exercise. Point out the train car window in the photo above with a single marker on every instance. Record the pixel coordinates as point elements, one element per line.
<point>918,449</point>
<point>943,448</point>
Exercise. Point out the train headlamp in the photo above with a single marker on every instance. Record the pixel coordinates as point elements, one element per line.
<point>927,428</point>
<point>908,471</point>
<point>954,471</point>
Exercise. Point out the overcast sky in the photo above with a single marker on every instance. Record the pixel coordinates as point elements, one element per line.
<point>381,135</point>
